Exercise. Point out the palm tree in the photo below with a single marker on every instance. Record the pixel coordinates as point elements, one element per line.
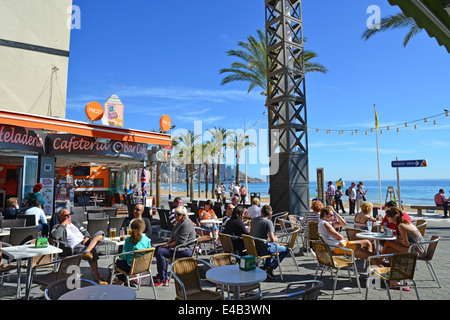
<point>392,22</point>
<point>254,65</point>
<point>186,154</point>
<point>238,143</point>
<point>219,136</point>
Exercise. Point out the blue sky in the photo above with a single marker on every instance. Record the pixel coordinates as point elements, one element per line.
<point>164,57</point>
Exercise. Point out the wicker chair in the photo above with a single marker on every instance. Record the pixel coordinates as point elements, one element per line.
<point>115,222</point>
<point>227,243</point>
<point>250,245</point>
<point>432,244</point>
<point>56,289</point>
<point>14,223</point>
<point>30,219</point>
<point>326,261</point>
<point>187,281</point>
<point>18,236</point>
<point>110,212</point>
<point>292,235</point>
<point>95,225</point>
<point>313,234</point>
<point>5,268</point>
<point>140,267</point>
<point>403,266</point>
<point>351,233</point>
<point>223,259</point>
<point>421,225</point>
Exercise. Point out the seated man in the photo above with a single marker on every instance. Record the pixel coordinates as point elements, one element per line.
<point>440,200</point>
<point>262,227</point>
<point>41,220</point>
<point>183,232</point>
<point>176,203</point>
<point>75,238</point>
<point>138,211</point>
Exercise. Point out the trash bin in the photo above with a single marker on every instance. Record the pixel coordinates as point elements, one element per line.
<point>255,195</point>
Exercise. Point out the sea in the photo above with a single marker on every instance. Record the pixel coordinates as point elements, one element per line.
<point>412,192</point>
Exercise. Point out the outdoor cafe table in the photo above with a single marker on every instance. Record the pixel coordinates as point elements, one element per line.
<point>27,252</point>
<point>112,242</point>
<point>100,292</point>
<point>233,276</point>
<point>377,236</point>
<point>5,232</point>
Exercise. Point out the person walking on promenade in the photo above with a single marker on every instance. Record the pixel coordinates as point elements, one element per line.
<point>224,192</point>
<point>440,200</point>
<point>331,191</point>
<point>338,199</point>
<point>351,193</point>
<point>360,198</point>
<point>243,194</point>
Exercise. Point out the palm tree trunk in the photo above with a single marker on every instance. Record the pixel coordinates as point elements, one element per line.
<point>206,180</point>
<point>158,185</point>
<point>199,179</point>
<point>237,170</point>
<point>187,180</point>
<point>191,191</point>
<point>213,176</point>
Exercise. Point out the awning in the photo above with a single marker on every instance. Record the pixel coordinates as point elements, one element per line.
<point>431,15</point>
<point>32,121</point>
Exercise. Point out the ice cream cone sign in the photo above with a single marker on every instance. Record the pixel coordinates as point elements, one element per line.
<point>94,111</point>
<point>165,123</point>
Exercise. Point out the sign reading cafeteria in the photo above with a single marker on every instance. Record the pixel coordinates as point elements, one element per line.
<point>77,145</point>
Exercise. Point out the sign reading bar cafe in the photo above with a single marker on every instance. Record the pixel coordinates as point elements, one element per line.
<point>81,145</point>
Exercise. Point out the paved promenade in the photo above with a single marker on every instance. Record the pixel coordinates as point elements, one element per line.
<point>428,289</point>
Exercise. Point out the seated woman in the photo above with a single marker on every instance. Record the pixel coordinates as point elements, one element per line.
<point>407,234</point>
<point>236,227</point>
<point>365,215</point>
<point>136,241</point>
<point>12,208</point>
<point>206,214</point>
<point>327,230</point>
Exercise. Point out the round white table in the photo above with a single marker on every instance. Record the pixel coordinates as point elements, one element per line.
<point>231,275</point>
<point>100,292</point>
<point>377,236</point>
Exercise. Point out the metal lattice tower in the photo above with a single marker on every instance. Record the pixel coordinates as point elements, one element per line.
<point>289,179</point>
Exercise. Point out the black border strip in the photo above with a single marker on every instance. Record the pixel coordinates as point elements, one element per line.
<point>32,47</point>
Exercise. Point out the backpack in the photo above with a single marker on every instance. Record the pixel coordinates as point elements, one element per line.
<point>347,192</point>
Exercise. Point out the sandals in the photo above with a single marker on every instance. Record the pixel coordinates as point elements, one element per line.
<point>87,255</point>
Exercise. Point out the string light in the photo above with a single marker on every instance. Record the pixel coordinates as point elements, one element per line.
<point>388,128</point>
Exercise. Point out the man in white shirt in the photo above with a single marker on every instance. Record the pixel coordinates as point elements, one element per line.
<point>73,235</point>
<point>254,210</point>
<point>41,220</point>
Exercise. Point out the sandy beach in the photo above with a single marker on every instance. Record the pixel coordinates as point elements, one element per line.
<point>264,200</point>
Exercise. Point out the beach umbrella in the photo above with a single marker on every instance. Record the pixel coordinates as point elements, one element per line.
<point>340,182</point>
<point>144,182</point>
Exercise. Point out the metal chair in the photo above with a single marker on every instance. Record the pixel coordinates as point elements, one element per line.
<point>305,290</point>
<point>227,243</point>
<point>140,267</point>
<point>250,245</point>
<point>326,261</point>
<point>223,259</point>
<point>56,289</point>
<point>403,266</point>
<point>313,234</point>
<point>421,225</point>
<point>187,281</point>
<point>292,235</point>
<point>5,268</point>
<point>428,256</point>
<point>95,225</point>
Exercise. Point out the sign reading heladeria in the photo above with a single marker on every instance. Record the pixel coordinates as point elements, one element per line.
<point>64,144</point>
<point>20,138</point>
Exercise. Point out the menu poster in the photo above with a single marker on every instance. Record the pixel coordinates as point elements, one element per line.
<point>47,194</point>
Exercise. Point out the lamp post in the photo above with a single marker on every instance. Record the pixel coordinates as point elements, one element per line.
<point>170,165</point>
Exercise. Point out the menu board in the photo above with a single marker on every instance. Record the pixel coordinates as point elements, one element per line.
<point>47,194</point>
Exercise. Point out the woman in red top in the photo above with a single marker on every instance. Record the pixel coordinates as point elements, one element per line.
<point>206,214</point>
<point>385,221</point>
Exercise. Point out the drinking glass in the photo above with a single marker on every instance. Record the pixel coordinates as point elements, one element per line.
<point>369,225</point>
<point>112,232</point>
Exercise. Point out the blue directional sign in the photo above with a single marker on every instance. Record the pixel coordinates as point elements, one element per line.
<point>409,163</point>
